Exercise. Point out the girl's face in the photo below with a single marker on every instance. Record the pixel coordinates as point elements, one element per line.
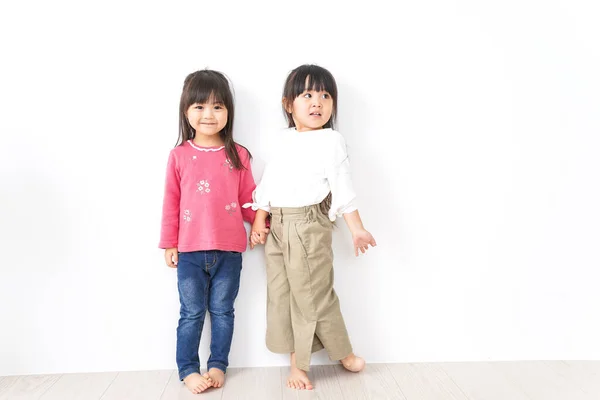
<point>207,119</point>
<point>311,110</point>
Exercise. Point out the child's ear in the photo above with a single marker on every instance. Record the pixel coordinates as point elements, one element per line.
<point>286,105</point>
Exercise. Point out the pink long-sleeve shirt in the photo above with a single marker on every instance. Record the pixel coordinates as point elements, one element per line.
<point>203,197</point>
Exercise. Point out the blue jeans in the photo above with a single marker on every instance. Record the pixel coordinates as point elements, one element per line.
<point>207,280</point>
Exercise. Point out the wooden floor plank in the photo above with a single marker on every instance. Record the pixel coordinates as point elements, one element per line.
<point>585,374</point>
<point>139,385</point>
<point>425,382</point>
<point>80,386</point>
<point>481,381</point>
<point>252,383</point>
<point>540,382</point>
<point>6,382</point>
<point>521,380</point>
<point>589,371</point>
<point>374,382</point>
<point>30,387</point>
<point>325,382</point>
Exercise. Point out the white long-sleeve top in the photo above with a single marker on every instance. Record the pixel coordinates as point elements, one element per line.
<point>302,168</point>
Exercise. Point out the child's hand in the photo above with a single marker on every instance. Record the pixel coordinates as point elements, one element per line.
<point>171,257</point>
<point>362,239</point>
<point>258,236</point>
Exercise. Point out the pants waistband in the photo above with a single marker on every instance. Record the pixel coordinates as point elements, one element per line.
<point>293,213</point>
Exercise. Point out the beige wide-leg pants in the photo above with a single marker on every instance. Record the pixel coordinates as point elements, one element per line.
<point>303,311</point>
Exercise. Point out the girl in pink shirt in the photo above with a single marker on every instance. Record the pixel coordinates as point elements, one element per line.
<point>208,178</point>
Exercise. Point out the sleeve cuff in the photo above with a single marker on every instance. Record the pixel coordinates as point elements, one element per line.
<point>334,213</point>
<point>256,206</point>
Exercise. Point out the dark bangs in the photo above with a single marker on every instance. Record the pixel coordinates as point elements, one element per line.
<point>206,87</point>
<point>319,79</point>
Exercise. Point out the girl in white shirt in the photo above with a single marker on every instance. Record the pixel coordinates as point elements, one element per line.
<point>305,186</point>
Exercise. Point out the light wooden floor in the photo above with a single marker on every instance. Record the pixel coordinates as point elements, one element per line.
<point>528,380</point>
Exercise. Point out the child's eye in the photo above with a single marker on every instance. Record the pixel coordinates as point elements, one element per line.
<point>198,107</point>
<point>307,95</point>
<point>325,96</point>
<point>219,107</point>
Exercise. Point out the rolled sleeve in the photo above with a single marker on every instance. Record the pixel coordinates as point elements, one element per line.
<point>340,182</point>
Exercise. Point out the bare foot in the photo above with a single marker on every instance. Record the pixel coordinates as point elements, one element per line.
<point>197,383</point>
<point>353,363</point>
<point>297,378</point>
<point>217,376</point>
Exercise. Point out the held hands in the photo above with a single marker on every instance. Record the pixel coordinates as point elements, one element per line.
<point>361,239</point>
<point>258,236</point>
<point>259,231</point>
<point>172,257</point>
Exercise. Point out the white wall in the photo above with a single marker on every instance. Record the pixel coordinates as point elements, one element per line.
<point>473,131</point>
